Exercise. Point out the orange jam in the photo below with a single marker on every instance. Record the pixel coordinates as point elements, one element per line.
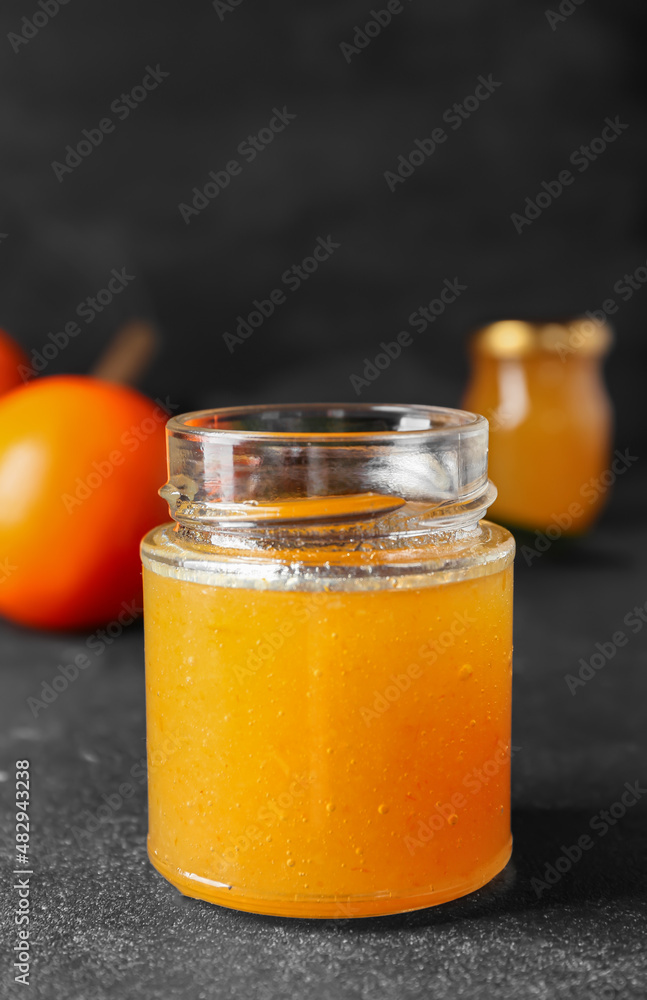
<point>328,705</point>
<point>540,386</point>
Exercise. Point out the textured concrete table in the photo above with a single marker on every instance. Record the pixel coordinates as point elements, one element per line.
<point>105,924</point>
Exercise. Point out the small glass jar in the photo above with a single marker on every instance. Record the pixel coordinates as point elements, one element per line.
<point>541,387</point>
<point>328,661</point>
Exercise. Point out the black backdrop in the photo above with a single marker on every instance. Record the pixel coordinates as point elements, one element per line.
<point>560,76</point>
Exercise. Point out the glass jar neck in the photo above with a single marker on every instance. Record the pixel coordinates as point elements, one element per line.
<point>325,475</point>
<point>581,339</point>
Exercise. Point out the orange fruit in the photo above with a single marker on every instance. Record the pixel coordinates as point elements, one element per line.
<point>81,461</point>
<point>11,356</point>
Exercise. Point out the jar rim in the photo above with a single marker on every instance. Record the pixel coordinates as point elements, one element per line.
<point>433,422</point>
<point>582,336</point>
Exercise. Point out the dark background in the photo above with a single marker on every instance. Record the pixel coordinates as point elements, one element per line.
<point>323,175</point>
<point>105,924</point>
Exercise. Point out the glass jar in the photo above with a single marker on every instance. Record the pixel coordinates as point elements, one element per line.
<point>328,660</point>
<point>540,385</point>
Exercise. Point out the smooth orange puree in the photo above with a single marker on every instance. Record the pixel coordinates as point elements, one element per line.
<point>549,458</point>
<point>550,422</point>
<point>329,753</point>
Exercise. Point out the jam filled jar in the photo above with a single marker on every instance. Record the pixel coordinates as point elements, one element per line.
<point>328,631</point>
<point>540,385</point>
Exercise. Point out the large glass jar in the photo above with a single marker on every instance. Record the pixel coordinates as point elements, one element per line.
<point>328,661</point>
<point>540,385</point>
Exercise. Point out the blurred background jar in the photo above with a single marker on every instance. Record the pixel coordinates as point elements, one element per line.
<point>540,385</point>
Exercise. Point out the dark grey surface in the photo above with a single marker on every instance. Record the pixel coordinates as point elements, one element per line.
<point>105,924</point>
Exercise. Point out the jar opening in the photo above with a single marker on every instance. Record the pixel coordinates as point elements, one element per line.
<point>327,420</point>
